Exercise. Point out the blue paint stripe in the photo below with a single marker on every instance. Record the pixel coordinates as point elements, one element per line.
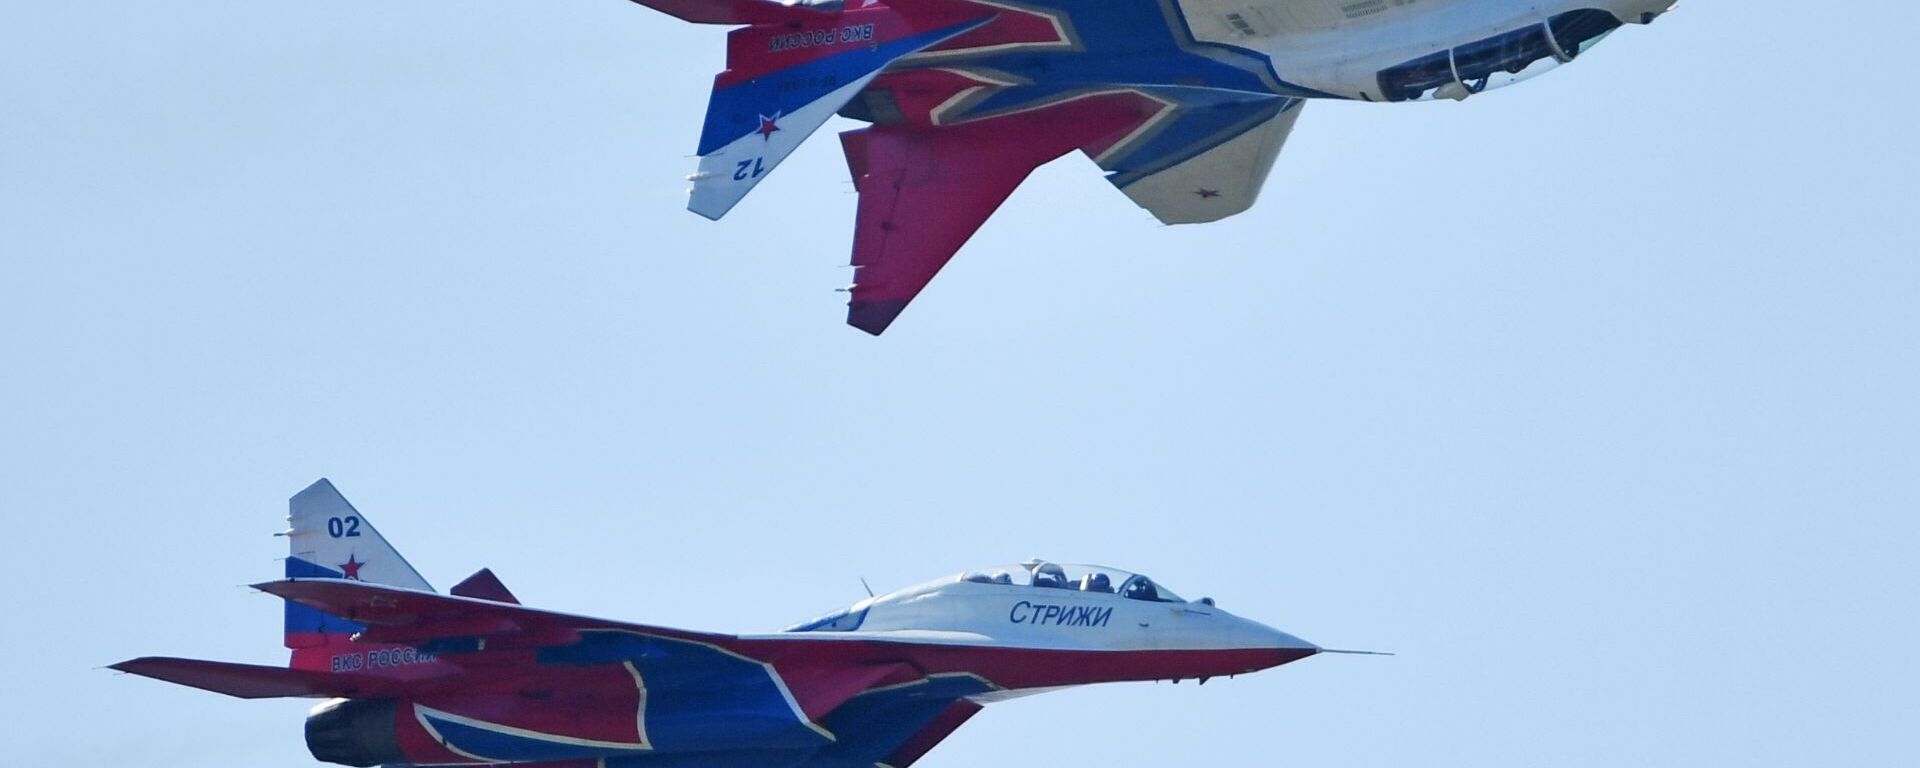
<point>300,618</point>
<point>735,111</point>
<point>873,725</point>
<point>699,698</point>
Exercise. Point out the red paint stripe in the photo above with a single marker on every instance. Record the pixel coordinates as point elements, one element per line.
<point>1039,667</point>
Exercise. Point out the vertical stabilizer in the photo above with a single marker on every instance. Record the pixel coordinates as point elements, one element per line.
<point>783,81</point>
<point>484,585</point>
<point>328,539</point>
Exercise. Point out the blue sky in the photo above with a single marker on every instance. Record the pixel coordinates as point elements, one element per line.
<point>1593,398</point>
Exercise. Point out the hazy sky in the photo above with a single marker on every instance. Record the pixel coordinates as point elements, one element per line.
<point>1594,399</point>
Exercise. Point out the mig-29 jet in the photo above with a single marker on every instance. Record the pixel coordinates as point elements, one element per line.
<point>1183,103</point>
<point>414,677</point>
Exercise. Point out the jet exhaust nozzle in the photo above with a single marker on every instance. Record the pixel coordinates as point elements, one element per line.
<point>357,732</point>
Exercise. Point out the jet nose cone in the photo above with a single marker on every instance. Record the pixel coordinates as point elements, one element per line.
<point>1283,647</point>
<point>1287,642</point>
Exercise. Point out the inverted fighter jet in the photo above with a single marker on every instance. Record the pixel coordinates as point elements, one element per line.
<point>1183,103</point>
<point>473,677</point>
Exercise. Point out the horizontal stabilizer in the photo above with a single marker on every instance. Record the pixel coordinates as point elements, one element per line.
<point>249,681</point>
<point>413,617</point>
<point>735,11</point>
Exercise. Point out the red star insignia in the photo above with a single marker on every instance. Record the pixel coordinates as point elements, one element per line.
<point>351,568</point>
<point>1207,194</point>
<point>768,125</point>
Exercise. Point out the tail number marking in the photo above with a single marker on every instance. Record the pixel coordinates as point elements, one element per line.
<point>343,527</point>
<point>747,169</point>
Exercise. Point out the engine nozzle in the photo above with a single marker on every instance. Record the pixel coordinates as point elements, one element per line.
<point>357,732</point>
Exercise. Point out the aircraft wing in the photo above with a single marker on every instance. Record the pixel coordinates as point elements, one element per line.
<point>872,697</point>
<point>935,731</point>
<point>895,725</point>
<point>925,190</point>
<point>878,703</point>
<point>1214,177</point>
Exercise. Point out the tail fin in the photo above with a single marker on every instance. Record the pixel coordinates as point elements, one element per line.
<point>329,539</point>
<point>784,80</point>
<point>484,585</point>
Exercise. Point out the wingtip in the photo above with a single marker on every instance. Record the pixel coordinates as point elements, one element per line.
<point>144,666</point>
<point>707,212</point>
<point>712,203</point>
<point>874,317</point>
<point>276,587</point>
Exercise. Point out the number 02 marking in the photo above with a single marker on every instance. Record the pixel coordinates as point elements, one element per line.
<point>343,527</point>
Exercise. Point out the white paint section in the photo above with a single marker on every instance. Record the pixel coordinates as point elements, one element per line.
<point>325,530</point>
<point>640,713</point>
<point>1218,183</point>
<point>971,614</point>
<point>727,174</point>
<point>1340,46</point>
<point>986,80</point>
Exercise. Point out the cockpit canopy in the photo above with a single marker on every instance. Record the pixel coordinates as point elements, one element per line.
<point>1042,574</point>
<point>1498,61</point>
<point>1033,574</point>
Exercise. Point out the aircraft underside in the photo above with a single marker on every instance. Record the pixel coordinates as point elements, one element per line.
<point>1183,104</point>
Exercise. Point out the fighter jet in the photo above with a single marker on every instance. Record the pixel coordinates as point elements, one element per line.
<point>473,677</point>
<point>1183,103</point>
